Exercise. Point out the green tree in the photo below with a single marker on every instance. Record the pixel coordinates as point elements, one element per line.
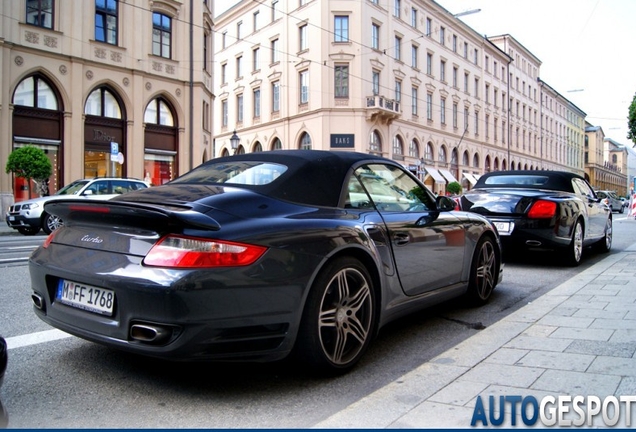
<point>30,162</point>
<point>631,121</point>
<point>454,187</point>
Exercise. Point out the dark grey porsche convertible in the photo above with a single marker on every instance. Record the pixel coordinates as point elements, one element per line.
<point>256,256</point>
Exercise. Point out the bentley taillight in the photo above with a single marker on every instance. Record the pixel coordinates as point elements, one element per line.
<point>542,209</point>
<point>192,252</point>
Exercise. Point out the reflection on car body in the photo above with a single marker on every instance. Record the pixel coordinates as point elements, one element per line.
<point>257,256</point>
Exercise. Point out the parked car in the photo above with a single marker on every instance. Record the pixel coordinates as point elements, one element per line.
<point>611,200</point>
<point>4,417</point>
<point>542,210</point>
<point>28,217</point>
<point>256,256</point>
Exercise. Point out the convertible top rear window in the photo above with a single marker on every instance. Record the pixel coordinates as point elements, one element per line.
<point>251,173</point>
<point>518,180</point>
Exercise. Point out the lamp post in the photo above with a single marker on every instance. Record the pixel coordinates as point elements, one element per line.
<point>234,141</point>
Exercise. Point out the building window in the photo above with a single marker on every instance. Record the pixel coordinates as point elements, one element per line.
<point>466,50</point>
<point>161,35</point>
<point>429,27</point>
<point>442,111</point>
<point>465,119</point>
<point>375,36</point>
<point>442,155</point>
<point>35,92</point>
<point>303,79</point>
<point>255,22</point>
<point>413,17</point>
<point>414,56</point>
<point>239,27</point>
<point>276,96</point>
<point>429,64</point>
<point>341,80</point>
<point>455,73</point>
<point>454,43</point>
<point>206,49</point>
<point>274,48</point>
<point>239,67</point>
<point>376,83</point>
<point>341,29</point>
<point>302,37</point>
<point>239,108</point>
<point>257,102</point>
<point>396,8</point>
<point>442,36</point>
<point>442,71</point>
<point>158,112</point>
<point>224,39</point>
<point>476,123</point>
<point>106,21</point>
<point>429,154</point>
<point>224,73</point>
<point>255,59</point>
<point>398,90</point>
<point>455,106</point>
<point>375,143</point>
<point>40,13</point>
<point>275,11</point>
<point>224,113</point>
<point>414,97</point>
<point>305,142</point>
<point>429,106</point>
<point>398,146</point>
<point>102,103</point>
<point>398,48</point>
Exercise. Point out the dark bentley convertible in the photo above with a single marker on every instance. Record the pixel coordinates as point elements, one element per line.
<point>255,256</point>
<point>542,210</point>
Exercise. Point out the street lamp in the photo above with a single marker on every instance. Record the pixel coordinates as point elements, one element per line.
<point>234,141</point>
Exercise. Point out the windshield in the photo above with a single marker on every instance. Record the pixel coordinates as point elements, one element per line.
<point>243,173</point>
<point>73,188</point>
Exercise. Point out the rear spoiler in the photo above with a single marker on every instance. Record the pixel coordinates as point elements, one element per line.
<point>139,215</point>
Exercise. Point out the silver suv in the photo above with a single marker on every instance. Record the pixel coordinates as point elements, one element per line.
<point>29,216</point>
<point>611,200</point>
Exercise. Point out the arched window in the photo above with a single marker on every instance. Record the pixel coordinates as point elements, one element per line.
<point>158,112</point>
<point>414,148</point>
<point>465,158</point>
<point>375,142</point>
<point>398,146</point>
<point>35,92</point>
<point>102,103</point>
<point>476,161</point>
<point>305,141</point>
<point>442,154</point>
<point>277,145</point>
<point>257,147</point>
<point>429,156</point>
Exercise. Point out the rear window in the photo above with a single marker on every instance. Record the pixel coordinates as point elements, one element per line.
<point>251,173</point>
<point>518,180</point>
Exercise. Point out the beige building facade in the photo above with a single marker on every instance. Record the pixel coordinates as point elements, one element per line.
<point>105,88</point>
<point>606,162</point>
<point>403,79</point>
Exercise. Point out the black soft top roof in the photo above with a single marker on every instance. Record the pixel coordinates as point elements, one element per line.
<point>313,177</point>
<point>529,179</point>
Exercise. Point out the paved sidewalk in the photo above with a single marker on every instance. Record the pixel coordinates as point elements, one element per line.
<point>577,340</point>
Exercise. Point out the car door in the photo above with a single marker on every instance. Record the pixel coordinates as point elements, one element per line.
<point>596,211</point>
<point>427,245</point>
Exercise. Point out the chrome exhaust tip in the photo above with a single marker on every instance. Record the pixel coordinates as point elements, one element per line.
<point>149,333</point>
<point>38,301</point>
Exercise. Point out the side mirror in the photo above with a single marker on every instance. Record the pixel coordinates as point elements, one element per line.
<point>445,203</point>
<point>88,192</point>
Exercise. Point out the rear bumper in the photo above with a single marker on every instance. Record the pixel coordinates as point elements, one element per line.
<point>18,220</point>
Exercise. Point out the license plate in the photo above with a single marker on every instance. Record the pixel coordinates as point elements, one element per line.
<point>12,218</point>
<point>504,228</point>
<point>89,298</point>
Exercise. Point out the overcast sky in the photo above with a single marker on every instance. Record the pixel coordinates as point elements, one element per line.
<point>586,48</point>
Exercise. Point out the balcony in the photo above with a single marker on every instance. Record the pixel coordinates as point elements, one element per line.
<point>382,109</point>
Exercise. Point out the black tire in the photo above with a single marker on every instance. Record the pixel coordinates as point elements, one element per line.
<point>605,244</point>
<point>484,272</point>
<point>339,319</point>
<point>622,209</point>
<point>28,230</point>
<point>574,251</point>
<point>50,223</point>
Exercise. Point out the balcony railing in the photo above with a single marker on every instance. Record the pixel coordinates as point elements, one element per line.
<point>382,108</point>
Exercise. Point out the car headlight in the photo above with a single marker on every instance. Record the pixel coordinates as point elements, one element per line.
<point>30,206</point>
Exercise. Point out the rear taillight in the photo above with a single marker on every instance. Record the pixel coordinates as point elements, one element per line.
<point>49,239</point>
<point>190,252</point>
<point>542,210</point>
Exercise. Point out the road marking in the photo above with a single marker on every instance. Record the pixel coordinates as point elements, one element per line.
<point>21,247</point>
<point>35,338</point>
<point>7,260</point>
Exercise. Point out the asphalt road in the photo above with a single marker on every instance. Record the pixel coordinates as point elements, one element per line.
<point>70,383</point>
